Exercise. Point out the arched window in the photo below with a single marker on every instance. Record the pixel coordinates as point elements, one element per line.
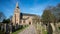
<point>23,21</point>
<point>29,23</point>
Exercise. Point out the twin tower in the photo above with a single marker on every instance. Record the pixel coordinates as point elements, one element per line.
<point>16,16</point>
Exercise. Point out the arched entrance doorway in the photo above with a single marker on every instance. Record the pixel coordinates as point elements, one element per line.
<point>29,23</point>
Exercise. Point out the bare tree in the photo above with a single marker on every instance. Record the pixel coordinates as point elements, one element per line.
<point>2,16</point>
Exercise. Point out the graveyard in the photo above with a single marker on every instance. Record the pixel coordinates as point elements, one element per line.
<point>29,17</point>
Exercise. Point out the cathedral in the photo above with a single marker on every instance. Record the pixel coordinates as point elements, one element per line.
<point>21,18</point>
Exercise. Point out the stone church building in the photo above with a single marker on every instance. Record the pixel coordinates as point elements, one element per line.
<point>21,18</point>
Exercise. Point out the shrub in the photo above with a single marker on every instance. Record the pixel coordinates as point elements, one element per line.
<point>59,28</point>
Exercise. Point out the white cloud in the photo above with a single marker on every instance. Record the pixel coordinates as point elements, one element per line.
<point>35,9</point>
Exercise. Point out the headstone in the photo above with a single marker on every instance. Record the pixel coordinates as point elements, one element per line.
<point>5,27</point>
<point>53,27</point>
<point>1,27</point>
<point>10,26</point>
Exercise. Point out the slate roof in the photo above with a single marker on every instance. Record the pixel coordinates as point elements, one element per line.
<point>26,14</point>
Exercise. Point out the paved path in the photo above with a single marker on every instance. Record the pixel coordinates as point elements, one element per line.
<point>29,30</point>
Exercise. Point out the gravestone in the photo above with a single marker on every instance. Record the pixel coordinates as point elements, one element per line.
<point>53,28</point>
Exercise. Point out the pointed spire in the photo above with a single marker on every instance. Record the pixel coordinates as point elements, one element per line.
<point>17,5</point>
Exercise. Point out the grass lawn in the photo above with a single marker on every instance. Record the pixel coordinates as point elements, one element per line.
<point>38,27</point>
<point>19,30</point>
<point>44,32</point>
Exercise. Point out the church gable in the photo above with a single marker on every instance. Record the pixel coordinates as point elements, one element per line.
<point>21,18</point>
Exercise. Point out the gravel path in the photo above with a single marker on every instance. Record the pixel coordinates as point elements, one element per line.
<point>29,30</point>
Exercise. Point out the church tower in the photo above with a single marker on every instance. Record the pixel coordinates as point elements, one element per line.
<point>16,16</point>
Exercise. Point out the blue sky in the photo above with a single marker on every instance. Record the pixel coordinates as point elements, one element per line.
<point>26,6</point>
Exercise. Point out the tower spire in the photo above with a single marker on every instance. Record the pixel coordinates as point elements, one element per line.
<point>17,4</point>
<point>16,16</point>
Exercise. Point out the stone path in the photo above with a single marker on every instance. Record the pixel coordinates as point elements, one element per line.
<point>29,30</point>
